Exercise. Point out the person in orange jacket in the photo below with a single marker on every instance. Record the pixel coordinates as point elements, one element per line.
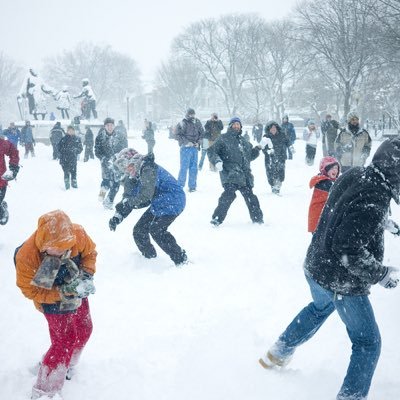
<point>329,170</point>
<point>55,268</point>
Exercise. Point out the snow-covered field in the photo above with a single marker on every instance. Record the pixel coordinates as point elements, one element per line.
<point>162,333</point>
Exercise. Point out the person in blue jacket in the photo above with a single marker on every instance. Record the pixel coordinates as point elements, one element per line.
<point>147,184</point>
<point>12,134</point>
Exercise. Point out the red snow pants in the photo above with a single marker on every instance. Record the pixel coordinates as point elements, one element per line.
<point>68,334</point>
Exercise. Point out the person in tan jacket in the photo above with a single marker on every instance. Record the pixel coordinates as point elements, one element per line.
<point>353,144</point>
<point>55,268</point>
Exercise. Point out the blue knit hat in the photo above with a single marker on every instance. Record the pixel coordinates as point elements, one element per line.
<point>235,119</point>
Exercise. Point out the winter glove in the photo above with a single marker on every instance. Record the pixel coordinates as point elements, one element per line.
<point>266,142</point>
<point>8,176</point>
<point>390,279</point>
<point>392,227</point>
<point>114,221</point>
<point>270,152</point>
<point>292,150</point>
<point>219,166</point>
<point>81,287</point>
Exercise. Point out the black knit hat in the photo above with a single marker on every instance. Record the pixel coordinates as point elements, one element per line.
<point>109,120</point>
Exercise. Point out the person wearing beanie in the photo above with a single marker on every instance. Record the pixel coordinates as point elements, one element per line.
<point>146,184</point>
<point>189,133</point>
<point>352,144</point>
<point>231,155</point>
<point>275,155</point>
<point>344,259</point>
<point>329,170</point>
<point>109,142</point>
<point>311,135</point>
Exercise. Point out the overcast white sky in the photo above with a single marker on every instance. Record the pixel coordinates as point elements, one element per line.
<point>33,29</point>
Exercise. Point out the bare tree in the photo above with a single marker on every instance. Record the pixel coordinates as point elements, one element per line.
<point>10,80</point>
<point>224,50</point>
<point>182,79</point>
<point>112,75</point>
<point>341,36</point>
<point>278,65</point>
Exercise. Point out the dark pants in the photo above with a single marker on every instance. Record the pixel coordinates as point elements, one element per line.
<point>69,173</point>
<point>227,197</point>
<point>275,172</point>
<point>56,153</point>
<point>3,207</point>
<point>29,149</point>
<point>88,153</point>
<point>310,154</point>
<point>149,224</point>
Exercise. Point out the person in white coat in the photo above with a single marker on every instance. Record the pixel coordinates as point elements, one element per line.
<point>311,135</point>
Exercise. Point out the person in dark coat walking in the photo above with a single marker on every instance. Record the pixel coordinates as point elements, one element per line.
<point>189,133</point>
<point>147,184</point>
<point>329,130</point>
<point>69,147</point>
<point>275,155</point>
<point>109,142</point>
<point>148,135</point>
<point>88,142</point>
<point>257,131</point>
<point>231,155</point>
<point>27,139</point>
<point>212,131</point>
<point>56,134</point>
<point>344,259</point>
<point>288,129</point>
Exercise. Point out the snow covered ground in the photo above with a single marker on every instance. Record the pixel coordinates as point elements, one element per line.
<point>192,333</point>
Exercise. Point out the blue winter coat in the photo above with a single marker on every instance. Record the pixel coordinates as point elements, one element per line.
<point>13,136</point>
<point>155,187</point>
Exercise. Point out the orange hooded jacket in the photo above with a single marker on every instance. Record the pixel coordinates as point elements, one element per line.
<point>55,231</point>
<point>318,201</point>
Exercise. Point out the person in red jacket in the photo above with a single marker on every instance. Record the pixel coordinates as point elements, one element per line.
<point>329,170</point>
<point>9,150</point>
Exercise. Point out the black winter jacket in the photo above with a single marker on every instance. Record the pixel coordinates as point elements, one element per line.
<point>69,147</point>
<point>189,132</point>
<point>236,153</point>
<point>107,145</point>
<point>280,142</point>
<point>346,252</point>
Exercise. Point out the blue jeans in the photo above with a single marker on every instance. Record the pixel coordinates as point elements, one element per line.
<point>189,157</point>
<point>202,158</point>
<point>357,314</point>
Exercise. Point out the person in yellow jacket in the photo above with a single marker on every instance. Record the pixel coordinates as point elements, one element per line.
<point>352,144</point>
<point>55,268</point>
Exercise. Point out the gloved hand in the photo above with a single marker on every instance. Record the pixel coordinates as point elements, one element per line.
<point>266,142</point>
<point>271,152</point>
<point>81,287</point>
<point>390,279</point>
<point>219,166</point>
<point>392,227</point>
<point>114,221</point>
<point>292,150</point>
<point>8,176</point>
